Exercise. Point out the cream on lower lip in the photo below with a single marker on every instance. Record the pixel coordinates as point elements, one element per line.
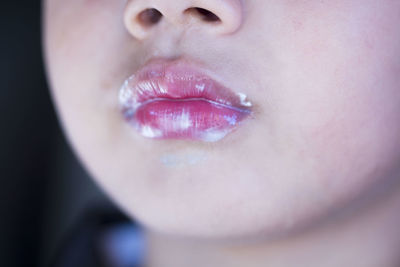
<point>175,101</point>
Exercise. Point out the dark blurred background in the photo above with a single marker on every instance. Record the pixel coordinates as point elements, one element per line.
<point>43,188</point>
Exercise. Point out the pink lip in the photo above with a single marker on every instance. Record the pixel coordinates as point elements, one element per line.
<point>176,101</point>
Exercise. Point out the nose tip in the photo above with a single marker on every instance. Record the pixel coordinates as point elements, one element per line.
<point>220,17</point>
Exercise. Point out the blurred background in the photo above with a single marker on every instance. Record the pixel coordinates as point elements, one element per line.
<point>44,191</point>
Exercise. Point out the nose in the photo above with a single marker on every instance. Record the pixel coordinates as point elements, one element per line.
<point>220,17</point>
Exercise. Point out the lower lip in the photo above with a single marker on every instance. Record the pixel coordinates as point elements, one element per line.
<point>195,119</point>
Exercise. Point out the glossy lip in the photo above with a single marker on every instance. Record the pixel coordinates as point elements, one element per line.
<point>175,100</point>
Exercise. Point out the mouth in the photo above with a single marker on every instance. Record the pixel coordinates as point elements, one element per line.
<point>177,101</point>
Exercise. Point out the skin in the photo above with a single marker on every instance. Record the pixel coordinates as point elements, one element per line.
<point>318,164</point>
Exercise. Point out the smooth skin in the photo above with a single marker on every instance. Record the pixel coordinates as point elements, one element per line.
<point>311,180</point>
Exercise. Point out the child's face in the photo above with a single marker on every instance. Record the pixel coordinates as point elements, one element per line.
<point>323,78</point>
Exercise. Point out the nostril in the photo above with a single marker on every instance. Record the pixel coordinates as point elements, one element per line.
<point>149,17</point>
<point>203,14</point>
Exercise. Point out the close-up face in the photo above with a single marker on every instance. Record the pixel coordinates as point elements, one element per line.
<point>229,118</point>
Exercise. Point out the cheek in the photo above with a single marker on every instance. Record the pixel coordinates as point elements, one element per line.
<point>340,103</point>
<point>82,41</point>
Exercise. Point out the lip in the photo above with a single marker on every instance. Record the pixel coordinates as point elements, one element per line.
<point>176,100</point>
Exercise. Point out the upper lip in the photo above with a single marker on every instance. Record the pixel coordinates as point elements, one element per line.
<point>177,80</point>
